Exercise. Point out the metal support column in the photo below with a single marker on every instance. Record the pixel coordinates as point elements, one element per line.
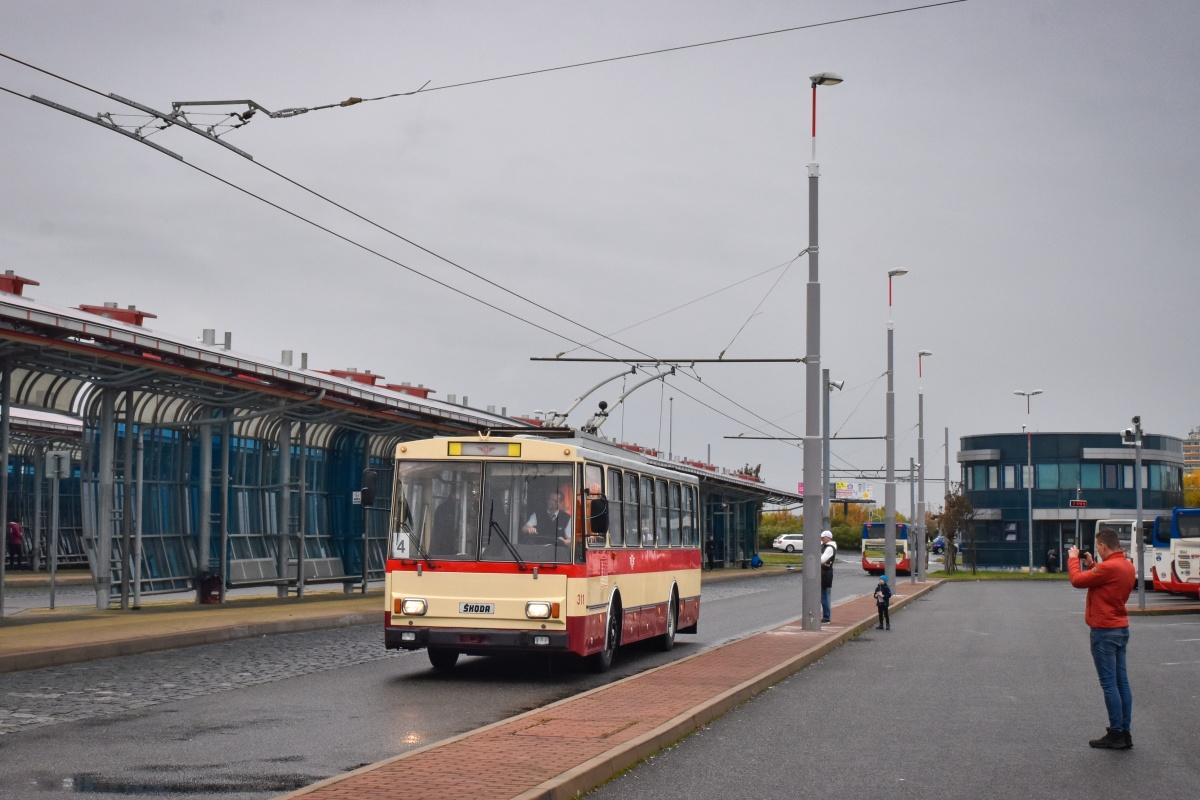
<point>223,558</point>
<point>303,521</point>
<point>912,514</point>
<point>5,409</point>
<point>106,486</point>
<point>366,515</point>
<point>139,502</point>
<point>127,479</point>
<point>204,529</point>
<point>285,505</point>
<point>39,474</point>
<point>52,551</point>
<point>812,419</point>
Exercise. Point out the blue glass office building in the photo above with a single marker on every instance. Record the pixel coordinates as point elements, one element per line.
<point>1096,465</point>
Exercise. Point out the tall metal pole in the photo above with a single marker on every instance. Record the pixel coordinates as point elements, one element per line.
<point>226,457</point>
<point>920,570</point>
<point>1029,468</point>
<point>204,512</point>
<point>137,520</point>
<point>825,521</point>
<point>889,485</point>
<point>127,499</point>
<point>1029,489</point>
<point>1137,483</point>
<point>811,598</point>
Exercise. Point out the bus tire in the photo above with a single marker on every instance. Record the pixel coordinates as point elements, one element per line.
<point>443,659</point>
<point>603,661</point>
<point>667,640</point>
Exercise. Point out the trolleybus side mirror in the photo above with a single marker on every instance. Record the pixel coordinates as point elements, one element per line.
<point>598,515</point>
<point>368,487</point>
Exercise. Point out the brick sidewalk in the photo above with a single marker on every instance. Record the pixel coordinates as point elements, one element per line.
<point>576,744</point>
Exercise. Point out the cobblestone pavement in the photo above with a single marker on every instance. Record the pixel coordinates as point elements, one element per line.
<point>111,686</point>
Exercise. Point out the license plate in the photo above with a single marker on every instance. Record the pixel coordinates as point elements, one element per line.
<point>476,608</point>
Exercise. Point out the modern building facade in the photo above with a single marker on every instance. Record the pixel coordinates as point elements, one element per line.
<point>1191,450</point>
<point>1094,467</point>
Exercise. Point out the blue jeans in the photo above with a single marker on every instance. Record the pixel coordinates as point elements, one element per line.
<point>825,603</point>
<point>1108,651</point>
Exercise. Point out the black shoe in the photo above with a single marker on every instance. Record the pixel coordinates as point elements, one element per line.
<point>1112,739</point>
<point>824,620</point>
<point>878,627</point>
<point>1128,740</point>
<point>889,627</point>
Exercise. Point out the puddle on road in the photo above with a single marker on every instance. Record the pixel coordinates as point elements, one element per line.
<point>90,783</point>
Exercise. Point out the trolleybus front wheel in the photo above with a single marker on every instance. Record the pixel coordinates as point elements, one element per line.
<point>602,661</point>
<point>667,640</point>
<point>443,658</point>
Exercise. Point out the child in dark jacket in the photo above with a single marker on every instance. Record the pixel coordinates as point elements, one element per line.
<point>883,598</point>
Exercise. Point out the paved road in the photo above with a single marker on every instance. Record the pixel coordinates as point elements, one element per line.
<point>253,718</point>
<point>981,690</point>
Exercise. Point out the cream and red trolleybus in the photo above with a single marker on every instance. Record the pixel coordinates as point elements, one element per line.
<point>536,543</point>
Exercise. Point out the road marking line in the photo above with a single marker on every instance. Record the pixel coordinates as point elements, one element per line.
<point>1178,663</point>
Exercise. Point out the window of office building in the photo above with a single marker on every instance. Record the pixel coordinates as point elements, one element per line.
<point>1010,476</point>
<point>993,476</point>
<point>1089,476</point>
<point>1068,476</point>
<point>1047,476</point>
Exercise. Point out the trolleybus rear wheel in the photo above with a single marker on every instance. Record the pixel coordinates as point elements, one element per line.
<point>443,658</point>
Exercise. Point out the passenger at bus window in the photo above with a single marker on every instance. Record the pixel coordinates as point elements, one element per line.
<point>444,537</point>
<point>552,523</point>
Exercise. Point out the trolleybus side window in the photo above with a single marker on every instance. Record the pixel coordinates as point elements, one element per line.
<point>674,520</point>
<point>646,512</point>
<point>632,495</point>
<point>689,517</point>
<point>616,508</point>
<point>660,508</point>
<point>593,489</point>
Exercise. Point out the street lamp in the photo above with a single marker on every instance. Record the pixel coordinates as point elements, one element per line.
<point>812,386</point>
<point>889,486</point>
<point>1029,469</point>
<point>828,385</point>
<point>920,570</point>
<point>1132,437</point>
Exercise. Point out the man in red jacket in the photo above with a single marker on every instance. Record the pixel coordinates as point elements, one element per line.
<point>1109,583</point>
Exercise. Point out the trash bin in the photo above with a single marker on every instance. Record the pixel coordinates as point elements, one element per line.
<point>210,588</point>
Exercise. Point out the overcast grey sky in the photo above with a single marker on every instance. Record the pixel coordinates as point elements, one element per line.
<point>1032,163</point>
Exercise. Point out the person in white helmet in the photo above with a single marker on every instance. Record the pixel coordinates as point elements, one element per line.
<point>828,556</point>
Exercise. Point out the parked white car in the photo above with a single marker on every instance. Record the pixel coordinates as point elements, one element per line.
<point>789,543</point>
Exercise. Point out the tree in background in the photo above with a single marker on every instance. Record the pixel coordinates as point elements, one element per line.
<point>1191,489</point>
<point>954,519</point>
<point>845,525</point>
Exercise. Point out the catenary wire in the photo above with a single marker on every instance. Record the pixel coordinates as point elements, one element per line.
<point>628,56</point>
<point>428,251</point>
<point>406,267</point>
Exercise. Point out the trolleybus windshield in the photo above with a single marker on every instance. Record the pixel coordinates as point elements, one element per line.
<point>472,511</point>
<point>1189,526</point>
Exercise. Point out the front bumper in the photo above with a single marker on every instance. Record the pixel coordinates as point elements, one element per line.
<point>474,641</point>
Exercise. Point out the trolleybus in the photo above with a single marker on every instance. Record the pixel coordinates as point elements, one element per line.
<point>874,550</point>
<point>1177,566</point>
<point>531,543</point>
<point>1124,530</point>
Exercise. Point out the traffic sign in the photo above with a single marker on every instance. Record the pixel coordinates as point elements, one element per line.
<point>1079,504</point>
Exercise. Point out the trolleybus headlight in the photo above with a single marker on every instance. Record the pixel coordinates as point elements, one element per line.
<point>537,609</point>
<point>413,607</point>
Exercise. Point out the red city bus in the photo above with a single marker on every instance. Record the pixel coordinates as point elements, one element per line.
<point>529,543</point>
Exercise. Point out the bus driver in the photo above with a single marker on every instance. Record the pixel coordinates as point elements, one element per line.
<point>554,521</point>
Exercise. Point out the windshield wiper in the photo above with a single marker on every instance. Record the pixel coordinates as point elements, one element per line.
<point>416,543</point>
<point>495,526</point>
